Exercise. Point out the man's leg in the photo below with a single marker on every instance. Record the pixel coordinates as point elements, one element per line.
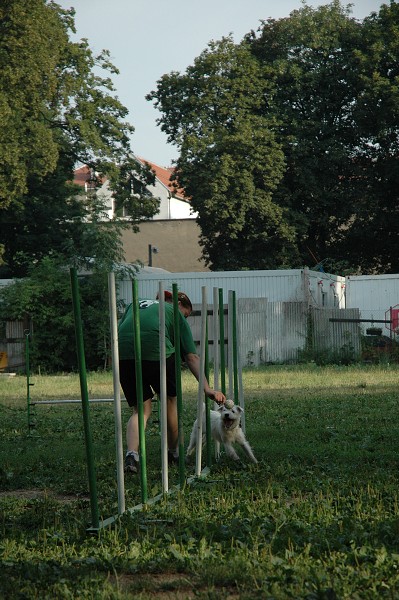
<point>173,428</point>
<point>132,428</point>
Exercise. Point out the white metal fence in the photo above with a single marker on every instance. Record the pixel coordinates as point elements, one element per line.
<point>268,332</point>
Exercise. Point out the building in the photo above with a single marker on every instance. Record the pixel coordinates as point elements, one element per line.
<point>170,239</point>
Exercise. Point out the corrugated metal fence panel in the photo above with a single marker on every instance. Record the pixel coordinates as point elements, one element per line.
<point>15,329</point>
<point>14,344</point>
<point>274,285</point>
<point>194,321</point>
<point>267,331</point>
<point>16,355</point>
<point>286,331</point>
<point>252,330</point>
<point>339,337</point>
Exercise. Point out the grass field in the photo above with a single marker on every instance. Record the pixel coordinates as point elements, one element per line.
<point>317,518</point>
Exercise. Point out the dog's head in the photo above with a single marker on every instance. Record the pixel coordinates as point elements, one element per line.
<point>230,416</point>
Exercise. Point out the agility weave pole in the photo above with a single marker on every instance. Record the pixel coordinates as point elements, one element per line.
<point>201,383</point>
<point>216,352</point>
<point>235,371</point>
<point>139,393</point>
<point>163,391</point>
<point>117,393</point>
<point>96,524</point>
<point>95,519</point>
<point>179,392</point>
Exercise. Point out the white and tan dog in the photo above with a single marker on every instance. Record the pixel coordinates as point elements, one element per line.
<point>225,429</point>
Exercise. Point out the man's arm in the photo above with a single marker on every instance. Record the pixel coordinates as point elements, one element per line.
<point>193,363</point>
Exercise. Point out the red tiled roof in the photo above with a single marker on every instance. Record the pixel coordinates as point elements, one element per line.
<point>163,174</point>
<point>81,175</point>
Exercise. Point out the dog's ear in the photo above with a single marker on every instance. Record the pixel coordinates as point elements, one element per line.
<point>220,408</point>
<point>239,408</point>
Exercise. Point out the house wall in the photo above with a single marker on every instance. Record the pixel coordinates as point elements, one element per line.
<point>169,208</point>
<point>177,242</point>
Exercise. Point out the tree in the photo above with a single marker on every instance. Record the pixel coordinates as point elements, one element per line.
<point>45,299</point>
<point>229,161</point>
<point>56,110</point>
<point>313,56</point>
<point>375,225</point>
<point>49,93</point>
<point>311,101</point>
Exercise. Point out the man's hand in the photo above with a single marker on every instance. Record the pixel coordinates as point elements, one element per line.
<point>217,396</point>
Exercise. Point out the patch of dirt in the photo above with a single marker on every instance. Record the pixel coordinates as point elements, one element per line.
<point>34,494</point>
<point>166,586</point>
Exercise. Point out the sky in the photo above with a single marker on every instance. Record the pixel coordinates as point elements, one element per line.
<point>148,38</point>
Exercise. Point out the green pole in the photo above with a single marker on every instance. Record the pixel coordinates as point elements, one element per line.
<point>207,404</point>
<point>235,350</point>
<point>179,393</point>
<point>221,335</point>
<point>28,383</point>
<point>85,399</point>
<point>139,392</point>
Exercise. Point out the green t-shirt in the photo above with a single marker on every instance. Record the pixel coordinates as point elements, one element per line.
<point>149,332</point>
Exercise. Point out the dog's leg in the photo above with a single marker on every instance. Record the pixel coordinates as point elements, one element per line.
<point>231,453</point>
<point>193,440</point>
<point>248,451</point>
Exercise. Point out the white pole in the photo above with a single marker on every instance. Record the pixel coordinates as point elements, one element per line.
<point>163,391</point>
<point>117,393</point>
<point>216,359</point>
<point>201,383</point>
<point>230,360</point>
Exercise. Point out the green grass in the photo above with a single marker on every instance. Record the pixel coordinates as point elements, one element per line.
<point>317,518</point>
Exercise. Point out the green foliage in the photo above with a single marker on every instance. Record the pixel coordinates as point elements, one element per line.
<point>57,110</point>
<point>289,142</point>
<point>28,88</point>
<point>45,299</point>
<point>229,161</point>
<point>133,200</point>
<point>50,93</point>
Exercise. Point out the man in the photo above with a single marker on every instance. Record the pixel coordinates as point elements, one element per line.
<point>150,361</point>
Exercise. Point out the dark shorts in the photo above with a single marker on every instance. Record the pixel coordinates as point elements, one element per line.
<point>151,378</point>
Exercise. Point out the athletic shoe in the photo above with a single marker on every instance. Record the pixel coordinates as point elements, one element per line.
<point>131,464</point>
<point>172,460</point>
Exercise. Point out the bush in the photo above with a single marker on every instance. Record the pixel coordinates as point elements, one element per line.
<point>45,298</point>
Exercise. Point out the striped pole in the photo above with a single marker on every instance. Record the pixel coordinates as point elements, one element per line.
<point>139,393</point>
<point>117,393</point>
<point>85,400</point>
